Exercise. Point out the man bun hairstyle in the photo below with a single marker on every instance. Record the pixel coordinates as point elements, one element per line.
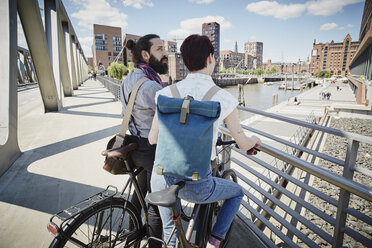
<point>130,44</point>
<point>143,44</point>
<point>195,50</point>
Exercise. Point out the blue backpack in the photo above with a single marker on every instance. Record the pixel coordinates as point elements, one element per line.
<point>185,134</point>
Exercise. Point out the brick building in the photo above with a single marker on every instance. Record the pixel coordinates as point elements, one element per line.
<point>334,57</point>
<point>360,65</point>
<point>230,59</point>
<point>255,50</point>
<point>107,44</point>
<point>284,68</point>
<point>212,30</point>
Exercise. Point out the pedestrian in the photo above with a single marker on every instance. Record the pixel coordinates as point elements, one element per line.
<point>150,59</point>
<point>198,55</point>
<point>94,76</point>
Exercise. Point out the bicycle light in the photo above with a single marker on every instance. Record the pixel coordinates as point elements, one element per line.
<point>53,228</point>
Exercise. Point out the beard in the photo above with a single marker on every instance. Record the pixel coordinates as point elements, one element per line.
<point>160,66</point>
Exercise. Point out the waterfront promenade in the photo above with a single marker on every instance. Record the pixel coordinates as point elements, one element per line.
<point>61,162</point>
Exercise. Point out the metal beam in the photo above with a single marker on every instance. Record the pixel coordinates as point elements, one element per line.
<point>51,31</point>
<point>73,62</point>
<point>63,61</point>
<point>9,148</point>
<point>29,14</point>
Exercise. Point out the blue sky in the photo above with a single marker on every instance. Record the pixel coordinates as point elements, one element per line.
<point>287,28</point>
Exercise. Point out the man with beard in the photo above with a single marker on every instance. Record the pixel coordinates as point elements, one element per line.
<point>149,58</point>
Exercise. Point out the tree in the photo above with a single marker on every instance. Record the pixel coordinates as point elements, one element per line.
<point>259,71</point>
<point>90,68</point>
<point>130,67</point>
<point>327,74</point>
<point>116,70</point>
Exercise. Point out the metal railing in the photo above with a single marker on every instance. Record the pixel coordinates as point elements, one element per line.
<point>276,214</point>
<point>113,85</point>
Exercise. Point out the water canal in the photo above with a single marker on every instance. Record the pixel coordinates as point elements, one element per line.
<point>260,96</point>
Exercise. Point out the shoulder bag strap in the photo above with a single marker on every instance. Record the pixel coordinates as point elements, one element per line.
<point>174,90</point>
<point>210,93</point>
<point>124,124</point>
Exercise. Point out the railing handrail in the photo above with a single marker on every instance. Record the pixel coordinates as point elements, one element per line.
<point>348,135</point>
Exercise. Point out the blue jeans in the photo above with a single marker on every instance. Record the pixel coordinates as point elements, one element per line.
<point>208,190</point>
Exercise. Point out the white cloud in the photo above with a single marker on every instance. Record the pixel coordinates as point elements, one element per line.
<point>99,12</point>
<point>228,41</point>
<point>286,11</point>
<point>252,38</point>
<point>86,44</point>
<point>273,8</point>
<point>332,25</point>
<point>194,26</point>
<point>138,4</point>
<point>328,26</point>
<point>328,7</point>
<point>201,1</point>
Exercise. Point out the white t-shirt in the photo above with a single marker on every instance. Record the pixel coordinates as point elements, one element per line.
<point>196,85</point>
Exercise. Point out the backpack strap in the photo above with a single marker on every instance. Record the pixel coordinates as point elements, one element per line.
<point>174,91</point>
<point>210,93</point>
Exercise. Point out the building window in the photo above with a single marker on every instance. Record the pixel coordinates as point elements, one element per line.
<point>101,36</point>
<point>116,38</point>
<point>101,42</point>
<point>101,48</point>
<point>109,53</point>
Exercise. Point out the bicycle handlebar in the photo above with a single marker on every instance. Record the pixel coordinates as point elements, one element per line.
<point>220,142</point>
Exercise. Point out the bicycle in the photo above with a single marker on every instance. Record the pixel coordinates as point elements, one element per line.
<point>203,215</point>
<point>106,219</point>
<point>109,219</point>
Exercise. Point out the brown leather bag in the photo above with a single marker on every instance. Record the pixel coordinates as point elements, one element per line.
<point>120,147</point>
<point>118,160</point>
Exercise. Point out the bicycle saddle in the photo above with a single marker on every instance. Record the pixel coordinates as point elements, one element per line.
<point>120,152</point>
<point>166,197</point>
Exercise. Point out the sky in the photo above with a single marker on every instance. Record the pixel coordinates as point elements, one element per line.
<point>287,28</point>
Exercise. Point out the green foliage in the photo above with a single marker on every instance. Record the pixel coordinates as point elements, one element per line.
<point>327,74</point>
<point>90,68</point>
<point>116,70</point>
<point>130,67</point>
<point>323,74</point>
<point>259,71</point>
<point>271,71</point>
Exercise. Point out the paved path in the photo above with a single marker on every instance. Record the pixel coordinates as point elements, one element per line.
<point>61,162</point>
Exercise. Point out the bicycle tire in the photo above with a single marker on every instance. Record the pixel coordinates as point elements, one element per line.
<point>186,210</point>
<point>83,225</point>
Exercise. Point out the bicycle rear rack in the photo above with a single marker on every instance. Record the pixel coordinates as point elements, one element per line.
<point>69,213</point>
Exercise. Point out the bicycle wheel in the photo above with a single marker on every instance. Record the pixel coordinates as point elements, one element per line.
<point>104,224</point>
<point>186,210</point>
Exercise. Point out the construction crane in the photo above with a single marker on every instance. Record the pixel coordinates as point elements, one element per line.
<point>176,39</point>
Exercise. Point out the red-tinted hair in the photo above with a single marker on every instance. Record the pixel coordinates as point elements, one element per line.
<point>195,50</point>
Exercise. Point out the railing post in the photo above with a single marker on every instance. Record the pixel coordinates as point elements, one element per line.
<point>344,197</point>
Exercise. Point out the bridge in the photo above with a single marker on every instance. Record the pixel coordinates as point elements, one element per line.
<point>297,192</point>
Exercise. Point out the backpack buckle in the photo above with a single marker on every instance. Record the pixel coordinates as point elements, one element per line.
<point>185,110</point>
